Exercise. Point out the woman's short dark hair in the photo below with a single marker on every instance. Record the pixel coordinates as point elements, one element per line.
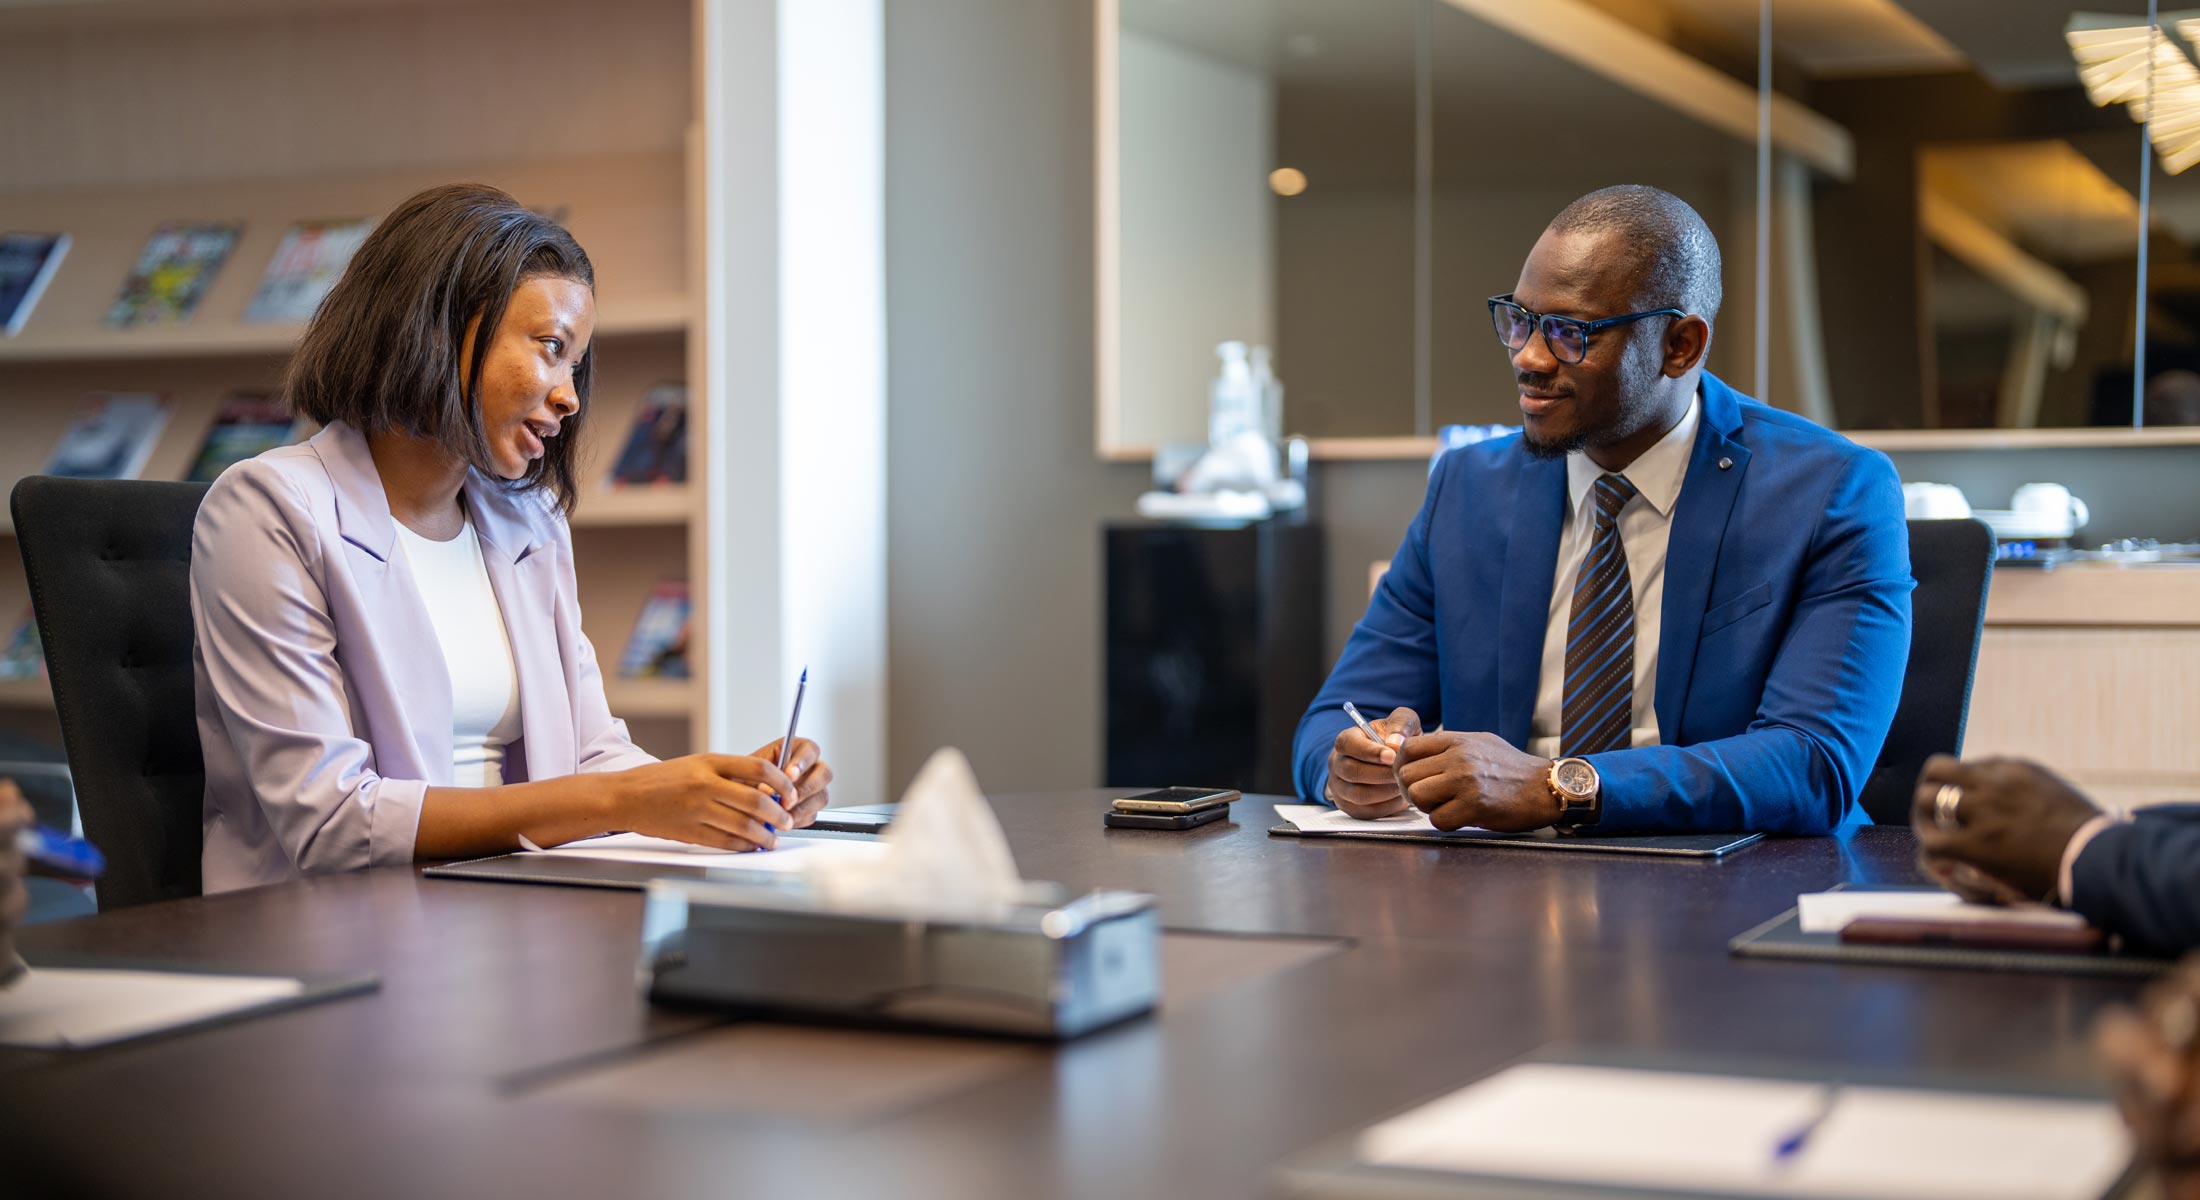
<point>382,352</point>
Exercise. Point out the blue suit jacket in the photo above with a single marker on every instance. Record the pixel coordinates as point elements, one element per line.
<point>2142,880</point>
<point>1782,641</point>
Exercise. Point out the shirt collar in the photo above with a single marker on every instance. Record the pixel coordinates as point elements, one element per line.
<point>1657,474</point>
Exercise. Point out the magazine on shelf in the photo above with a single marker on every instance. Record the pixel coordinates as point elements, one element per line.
<point>27,264</point>
<point>658,647</point>
<point>23,657</point>
<point>112,436</point>
<point>656,444</point>
<point>248,423</point>
<point>308,263</point>
<point>173,272</point>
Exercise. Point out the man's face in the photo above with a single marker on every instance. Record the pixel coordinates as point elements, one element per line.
<point>1609,395</point>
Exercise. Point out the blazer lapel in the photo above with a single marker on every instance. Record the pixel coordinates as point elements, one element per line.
<point>1714,478</point>
<point>519,563</point>
<point>1524,604</point>
<point>406,648</point>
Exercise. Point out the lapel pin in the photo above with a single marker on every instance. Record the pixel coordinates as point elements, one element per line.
<point>1726,464</point>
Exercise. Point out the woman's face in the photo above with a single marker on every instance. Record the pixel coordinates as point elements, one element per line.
<point>527,379</point>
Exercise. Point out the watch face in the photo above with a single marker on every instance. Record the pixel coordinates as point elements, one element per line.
<point>1576,778</point>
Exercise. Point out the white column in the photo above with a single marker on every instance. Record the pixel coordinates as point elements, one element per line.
<point>791,159</point>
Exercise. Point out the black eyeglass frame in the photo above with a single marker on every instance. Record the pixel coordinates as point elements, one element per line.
<point>1543,322</point>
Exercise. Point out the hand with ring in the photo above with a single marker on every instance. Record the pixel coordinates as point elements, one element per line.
<point>1995,830</point>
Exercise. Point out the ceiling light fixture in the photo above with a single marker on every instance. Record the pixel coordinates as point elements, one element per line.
<point>2113,58</point>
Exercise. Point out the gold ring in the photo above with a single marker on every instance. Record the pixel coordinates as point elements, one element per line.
<point>1945,803</point>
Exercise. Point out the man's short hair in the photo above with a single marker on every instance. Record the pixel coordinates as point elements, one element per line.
<point>1677,259</point>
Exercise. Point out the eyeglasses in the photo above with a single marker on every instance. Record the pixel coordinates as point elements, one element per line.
<point>1567,338</point>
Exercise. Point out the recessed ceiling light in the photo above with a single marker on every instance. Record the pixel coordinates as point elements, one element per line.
<point>1287,181</point>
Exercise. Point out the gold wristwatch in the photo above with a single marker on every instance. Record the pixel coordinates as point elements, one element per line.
<point>1579,792</point>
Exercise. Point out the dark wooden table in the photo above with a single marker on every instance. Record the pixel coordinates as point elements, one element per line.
<point>1460,960</point>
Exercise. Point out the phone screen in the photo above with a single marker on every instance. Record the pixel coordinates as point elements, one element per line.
<point>1176,795</point>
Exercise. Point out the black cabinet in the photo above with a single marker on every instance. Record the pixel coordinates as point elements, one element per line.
<point>1214,648</point>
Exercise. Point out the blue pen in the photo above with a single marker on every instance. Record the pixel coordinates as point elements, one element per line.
<point>63,855</point>
<point>1786,1149</point>
<point>786,744</point>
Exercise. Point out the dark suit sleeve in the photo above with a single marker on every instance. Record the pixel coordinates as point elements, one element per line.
<point>1800,765</point>
<point>1390,660</point>
<point>2141,880</point>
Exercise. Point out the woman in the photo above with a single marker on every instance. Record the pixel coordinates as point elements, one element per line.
<point>390,663</point>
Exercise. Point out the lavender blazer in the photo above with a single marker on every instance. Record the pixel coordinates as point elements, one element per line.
<point>324,706</point>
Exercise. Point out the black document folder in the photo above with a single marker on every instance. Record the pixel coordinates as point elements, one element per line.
<point>1783,937</point>
<point>1677,845</point>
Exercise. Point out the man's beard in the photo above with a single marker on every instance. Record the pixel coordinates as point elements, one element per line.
<point>1542,448</point>
<point>1636,383</point>
<point>1547,448</point>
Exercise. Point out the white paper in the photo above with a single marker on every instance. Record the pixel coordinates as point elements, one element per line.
<point>55,1006</point>
<point>1830,912</point>
<point>1320,818</point>
<point>789,855</point>
<point>1709,1134</point>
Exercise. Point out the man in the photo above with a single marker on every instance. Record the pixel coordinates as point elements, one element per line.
<point>15,817</point>
<point>2004,830</point>
<point>2151,1053</point>
<point>1664,607</point>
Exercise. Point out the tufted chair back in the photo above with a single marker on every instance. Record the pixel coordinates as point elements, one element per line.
<point>1953,563</point>
<point>109,566</point>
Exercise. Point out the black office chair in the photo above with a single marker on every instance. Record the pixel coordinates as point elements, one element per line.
<point>109,564</point>
<point>1952,561</point>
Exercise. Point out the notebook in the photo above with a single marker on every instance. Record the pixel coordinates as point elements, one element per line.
<point>1321,821</point>
<point>1705,1133</point>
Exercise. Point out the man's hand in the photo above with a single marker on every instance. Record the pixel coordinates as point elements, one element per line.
<point>2151,1055</point>
<point>1363,774</point>
<point>1478,779</point>
<point>15,816</point>
<point>2013,823</point>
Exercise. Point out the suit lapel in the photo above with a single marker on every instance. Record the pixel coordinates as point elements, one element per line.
<point>1692,549</point>
<point>1524,606</point>
<point>406,649</point>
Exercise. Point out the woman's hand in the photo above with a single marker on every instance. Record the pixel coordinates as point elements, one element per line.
<point>807,770</point>
<point>726,801</point>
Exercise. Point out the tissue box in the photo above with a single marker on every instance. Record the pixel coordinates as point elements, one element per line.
<point>1036,969</point>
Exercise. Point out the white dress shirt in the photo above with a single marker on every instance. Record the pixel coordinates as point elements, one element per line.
<point>469,627</point>
<point>1645,525</point>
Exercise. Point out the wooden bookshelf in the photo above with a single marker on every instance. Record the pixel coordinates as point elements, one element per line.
<point>339,145</point>
<point>605,508</point>
<point>25,693</point>
<point>645,699</point>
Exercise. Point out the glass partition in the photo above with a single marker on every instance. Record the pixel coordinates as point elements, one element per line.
<point>1953,198</point>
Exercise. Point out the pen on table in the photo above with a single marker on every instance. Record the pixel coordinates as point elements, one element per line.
<point>58,853</point>
<point>1785,1150</point>
<point>786,744</point>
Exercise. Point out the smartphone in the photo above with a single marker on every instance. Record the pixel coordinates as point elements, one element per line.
<point>1192,820</point>
<point>1176,800</point>
<point>872,819</point>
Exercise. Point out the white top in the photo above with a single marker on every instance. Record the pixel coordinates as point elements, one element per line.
<point>1645,525</point>
<point>454,584</point>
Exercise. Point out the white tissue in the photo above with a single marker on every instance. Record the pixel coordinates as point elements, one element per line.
<point>945,851</point>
